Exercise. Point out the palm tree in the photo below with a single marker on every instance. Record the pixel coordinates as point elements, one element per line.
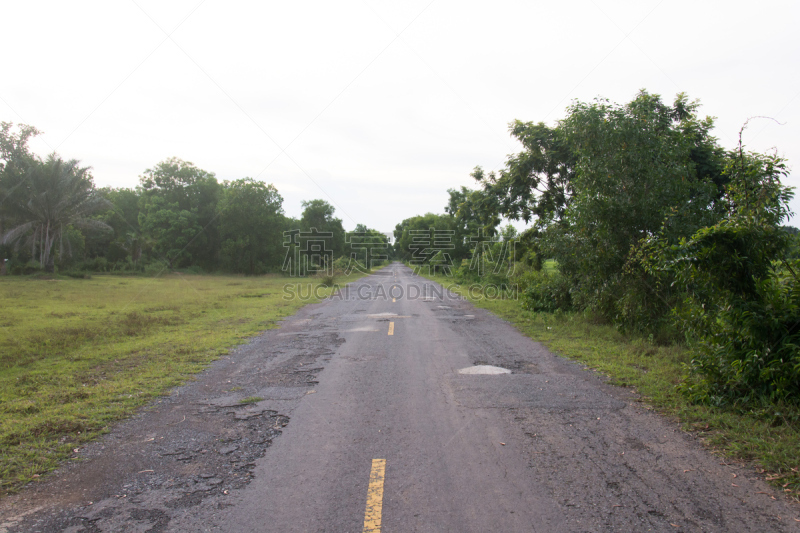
<point>54,195</point>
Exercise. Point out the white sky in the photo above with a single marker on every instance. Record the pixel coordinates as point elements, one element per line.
<point>377,107</point>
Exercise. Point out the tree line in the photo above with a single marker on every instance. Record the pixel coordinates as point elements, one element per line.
<point>655,228</point>
<point>53,217</point>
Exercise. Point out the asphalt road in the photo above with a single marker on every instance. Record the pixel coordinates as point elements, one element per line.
<point>367,423</point>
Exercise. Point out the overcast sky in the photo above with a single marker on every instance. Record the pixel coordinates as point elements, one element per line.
<point>377,107</point>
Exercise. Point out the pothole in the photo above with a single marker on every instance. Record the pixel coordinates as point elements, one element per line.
<point>484,369</point>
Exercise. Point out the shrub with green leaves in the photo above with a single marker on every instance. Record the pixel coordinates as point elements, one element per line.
<point>747,351</point>
<point>742,305</point>
<point>544,291</point>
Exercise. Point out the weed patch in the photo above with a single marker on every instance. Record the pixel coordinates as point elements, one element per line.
<point>251,399</point>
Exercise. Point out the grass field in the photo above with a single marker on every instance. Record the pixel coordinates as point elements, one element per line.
<point>79,354</point>
<point>770,440</point>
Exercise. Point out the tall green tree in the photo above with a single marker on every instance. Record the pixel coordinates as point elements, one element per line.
<point>251,226</point>
<point>535,183</point>
<point>319,215</point>
<point>474,218</point>
<point>601,181</point>
<point>634,167</point>
<point>178,212</point>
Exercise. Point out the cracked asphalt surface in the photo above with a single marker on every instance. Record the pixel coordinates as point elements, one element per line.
<point>548,447</point>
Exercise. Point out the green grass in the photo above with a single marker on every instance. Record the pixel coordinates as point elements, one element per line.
<point>78,354</point>
<point>251,399</point>
<point>771,445</point>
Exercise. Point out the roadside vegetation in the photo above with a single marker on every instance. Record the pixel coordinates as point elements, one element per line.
<point>77,355</point>
<point>653,255</point>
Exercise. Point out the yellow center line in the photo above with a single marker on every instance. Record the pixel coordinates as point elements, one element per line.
<point>391,328</point>
<point>372,515</point>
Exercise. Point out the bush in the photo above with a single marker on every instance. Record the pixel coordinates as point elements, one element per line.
<point>24,269</point>
<point>643,304</point>
<point>194,269</point>
<point>77,275</point>
<point>543,291</point>
<point>742,303</point>
<point>156,268</point>
<point>749,351</point>
<point>341,264</point>
<point>96,264</point>
<point>328,280</point>
<point>493,273</point>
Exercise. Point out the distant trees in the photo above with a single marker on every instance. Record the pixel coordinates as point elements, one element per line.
<point>126,245</point>
<point>179,216</point>
<point>368,247</point>
<point>416,237</point>
<point>446,240</point>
